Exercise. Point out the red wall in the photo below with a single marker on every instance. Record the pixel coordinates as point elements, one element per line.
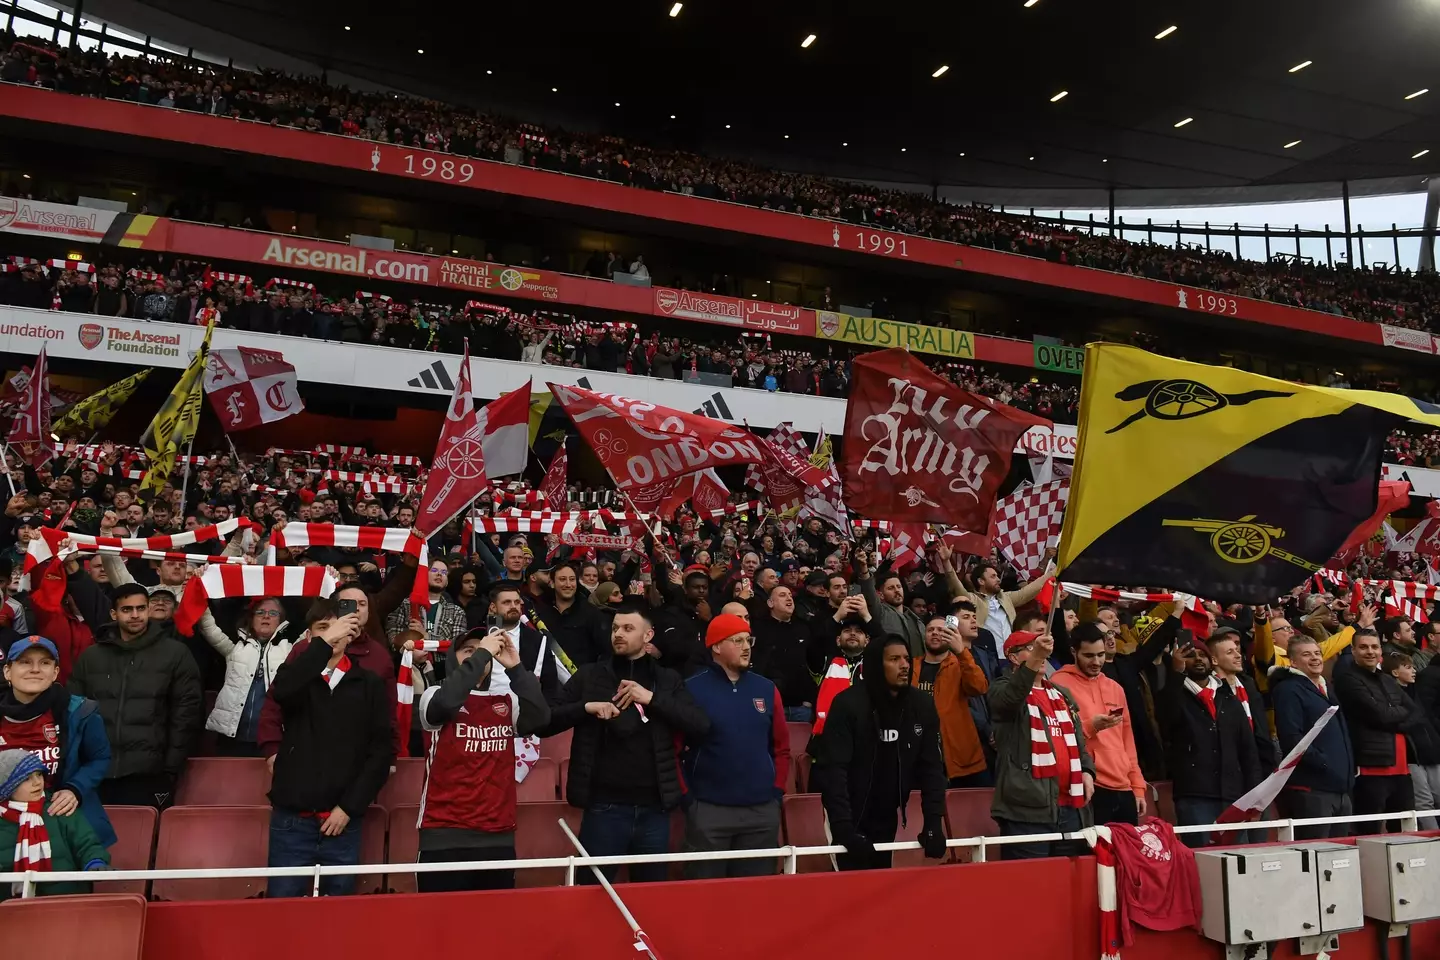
<point>1039,909</point>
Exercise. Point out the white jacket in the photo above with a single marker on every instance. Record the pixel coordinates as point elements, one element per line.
<point>242,656</point>
<point>535,352</point>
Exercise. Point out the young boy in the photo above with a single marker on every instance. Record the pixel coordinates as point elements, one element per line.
<point>31,838</point>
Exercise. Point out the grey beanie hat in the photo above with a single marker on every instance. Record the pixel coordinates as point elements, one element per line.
<point>15,766</point>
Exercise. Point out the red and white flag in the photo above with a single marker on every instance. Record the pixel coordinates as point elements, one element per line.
<point>1254,804</point>
<point>1027,523</point>
<point>710,493</point>
<point>462,465</point>
<point>30,432</point>
<point>920,449</point>
<point>553,486</point>
<point>248,387</point>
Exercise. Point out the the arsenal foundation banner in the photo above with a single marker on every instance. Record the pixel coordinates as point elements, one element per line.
<point>918,448</point>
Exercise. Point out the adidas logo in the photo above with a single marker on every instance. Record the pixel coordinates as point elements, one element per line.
<point>715,407</point>
<point>434,377</point>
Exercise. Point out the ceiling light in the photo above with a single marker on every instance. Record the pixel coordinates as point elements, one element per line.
<point>727,126</point>
<point>672,116</point>
<point>25,175</point>
<point>676,8</point>
<point>845,144</point>
<point>1300,66</point>
<point>962,153</point>
<point>1030,3</point>
<point>1060,96</point>
<point>1420,154</point>
<point>1032,158</point>
<point>1292,143</point>
<point>809,39</point>
<point>1184,122</point>
<point>1104,159</point>
<point>557,90</point>
<point>787,136</point>
<point>421,50</point>
<point>940,70</point>
<point>347,27</point>
<point>1418,93</point>
<point>617,103</point>
<point>489,73</point>
<point>1166,32</point>
<point>902,149</point>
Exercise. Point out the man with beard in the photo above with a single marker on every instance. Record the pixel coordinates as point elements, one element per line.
<point>574,624</point>
<point>735,775</point>
<point>680,623</point>
<point>507,606</point>
<point>949,674</point>
<point>882,740</point>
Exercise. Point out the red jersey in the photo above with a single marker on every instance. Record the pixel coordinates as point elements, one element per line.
<point>470,766</point>
<point>41,736</point>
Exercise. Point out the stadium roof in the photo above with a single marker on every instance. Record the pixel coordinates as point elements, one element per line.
<point>1053,95</point>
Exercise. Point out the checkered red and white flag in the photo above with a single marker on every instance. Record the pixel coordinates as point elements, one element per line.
<point>1027,523</point>
<point>248,387</point>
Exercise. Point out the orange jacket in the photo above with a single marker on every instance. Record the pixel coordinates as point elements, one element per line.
<point>958,679</point>
<point>1116,765</point>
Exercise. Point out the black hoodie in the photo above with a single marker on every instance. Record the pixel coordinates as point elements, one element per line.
<point>878,746</point>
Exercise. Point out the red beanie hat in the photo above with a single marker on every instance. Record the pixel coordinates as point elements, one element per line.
<point>723,627</point>
<point>1020,638</point>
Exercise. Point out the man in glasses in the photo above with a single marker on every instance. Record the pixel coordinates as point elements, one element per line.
<point>735,774</point>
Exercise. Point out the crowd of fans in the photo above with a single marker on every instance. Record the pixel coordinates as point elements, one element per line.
<point>915,679</point>
<point>1398,297</point>
<point>188,292</point>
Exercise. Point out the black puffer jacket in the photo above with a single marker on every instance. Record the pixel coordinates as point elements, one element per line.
<point>671,711</point>
<point>1376,710</point>
<point>149,695</point>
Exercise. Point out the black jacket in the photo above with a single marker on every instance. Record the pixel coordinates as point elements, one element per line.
<point>781,654</point>
<point>1212,758</point>
<point>149,695</point>
<point>1329,764</point>
<point>678,631</point>
<point>846,754</point>
<point>1129,670</point>
<point>579,631</point>
<point>1427,691</point>
<point>672,710</point>
<point>1260,729</point>
<point>531,642</point>
<point>1376,709</point>
<point>337,747</point>
<point>1424,735</point>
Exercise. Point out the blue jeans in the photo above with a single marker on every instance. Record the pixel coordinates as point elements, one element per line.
<point>296,841</point>
<point>1191,811</point>
<point>1069,822</point>
<point>800,714</point>
<point>614,829</point>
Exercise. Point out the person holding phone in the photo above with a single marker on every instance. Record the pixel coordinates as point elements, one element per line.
<point>1120,791</point>
<point>949,675</point>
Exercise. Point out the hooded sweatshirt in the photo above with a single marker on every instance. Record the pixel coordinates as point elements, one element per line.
<point>1116,765</point>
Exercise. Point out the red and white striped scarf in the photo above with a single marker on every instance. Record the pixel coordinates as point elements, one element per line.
<point>298,533</point>
<point>1045,702</point>
<point>333,675</point>
<point>32,842</point>
<point>248,580</point>
<point>837,679</point>
<point>1206,695</point>
<point>405,688</point>
<point>47,545</point>
<point>1099,837</point>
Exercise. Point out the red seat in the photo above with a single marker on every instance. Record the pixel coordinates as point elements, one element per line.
<point>557,748</point>
<point>803,819</point>
<point>94,926</point>
<point>209,837</point>
<point>540,784</point>
<point>224,781</point>
<point>802,765</point>
<point>538,834</point>
<point>1164,807</point>
<point>404,846</point>
<point>135,830</point>
<point>372,848</point>
<point>967,814</point>
<point>405,784</point>
<point>799,737</point>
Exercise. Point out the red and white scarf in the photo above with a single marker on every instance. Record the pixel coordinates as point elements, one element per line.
<point>838,677</point>
<point>248,580</point>
<point>1100,839</point>
<point>333,675</point>
<point>32,842</point>
<point>405,688</point>
<point>1045,702</point>
<point>298,533</point>
<point>1206,695</point>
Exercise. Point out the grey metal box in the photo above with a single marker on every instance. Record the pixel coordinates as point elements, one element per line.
<point>1336,867</point>
<point>1401,875</point>
<point>1257,894</point>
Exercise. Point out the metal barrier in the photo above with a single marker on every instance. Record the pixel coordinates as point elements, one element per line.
<point>1409,823</point>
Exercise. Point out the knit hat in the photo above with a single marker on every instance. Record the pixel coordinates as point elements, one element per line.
<point>1020,638</point>
<point>723,627</point>
<point>15,766</point>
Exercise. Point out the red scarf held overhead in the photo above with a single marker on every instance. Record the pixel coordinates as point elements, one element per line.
<point>32,842</point>
<point>1051,755</point>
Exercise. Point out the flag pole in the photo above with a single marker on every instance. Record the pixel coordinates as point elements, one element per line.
<point>185,484</point>
<point>8,475</point>
<point>655,534</point>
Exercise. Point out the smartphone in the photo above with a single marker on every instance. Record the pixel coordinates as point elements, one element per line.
<point>1118,712</point>
<point>854,590</point>
<point>493,621</point>
<point>744,583</point>
<point>348,607</point>
<point>953,622</point>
